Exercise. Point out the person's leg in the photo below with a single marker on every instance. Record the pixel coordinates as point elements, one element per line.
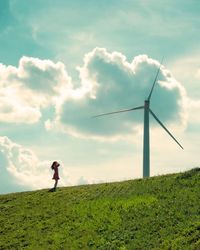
<point>55,185</point>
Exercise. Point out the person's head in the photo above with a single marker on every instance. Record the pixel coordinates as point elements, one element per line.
<point>55,164</point>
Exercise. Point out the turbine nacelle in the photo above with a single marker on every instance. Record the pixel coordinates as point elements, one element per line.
<point>146,104</point>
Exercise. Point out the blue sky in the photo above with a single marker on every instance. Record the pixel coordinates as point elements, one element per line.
<point>62,62</point>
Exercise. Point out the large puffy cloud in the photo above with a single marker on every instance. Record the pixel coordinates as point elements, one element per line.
<point>109,83</point>
<point>30,87</point>
<point>22,166</point>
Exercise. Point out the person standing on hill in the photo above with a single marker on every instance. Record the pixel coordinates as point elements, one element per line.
<point>54,167</point>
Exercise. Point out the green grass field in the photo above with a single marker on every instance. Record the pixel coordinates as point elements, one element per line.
<point>155,213</point>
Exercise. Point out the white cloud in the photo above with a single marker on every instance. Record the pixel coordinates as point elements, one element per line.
<point>82,181</point>
<point>193,111</point>
<point>187,69</point>
<point>31,86</point>
<point>25,168</point>
<point>108,83</point>
<point>22,167</point>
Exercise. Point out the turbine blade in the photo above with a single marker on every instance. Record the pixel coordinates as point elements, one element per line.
<point>149,97</point>
<point>119,111</point>
<point>156,118</point>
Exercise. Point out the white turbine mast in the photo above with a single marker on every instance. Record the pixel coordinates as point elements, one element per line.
<point>147,110</point>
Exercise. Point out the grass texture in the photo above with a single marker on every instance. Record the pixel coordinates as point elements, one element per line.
<point>154,213</point>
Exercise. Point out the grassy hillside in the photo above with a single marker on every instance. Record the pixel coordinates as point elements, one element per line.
<point>155,213</point>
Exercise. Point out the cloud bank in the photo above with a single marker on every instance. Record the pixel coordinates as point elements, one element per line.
<point>109,83</point>
<point>22,166</point>
<point>27,89</point>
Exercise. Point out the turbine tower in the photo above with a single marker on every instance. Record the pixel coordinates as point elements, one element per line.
<point>147,110</point>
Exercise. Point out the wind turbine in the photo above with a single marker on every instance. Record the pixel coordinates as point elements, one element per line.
<point>147,110</point>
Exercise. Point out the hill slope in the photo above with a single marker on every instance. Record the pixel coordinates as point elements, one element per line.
<point>155,213</point>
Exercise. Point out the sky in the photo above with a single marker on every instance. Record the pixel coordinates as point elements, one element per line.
<point>62,62</point>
